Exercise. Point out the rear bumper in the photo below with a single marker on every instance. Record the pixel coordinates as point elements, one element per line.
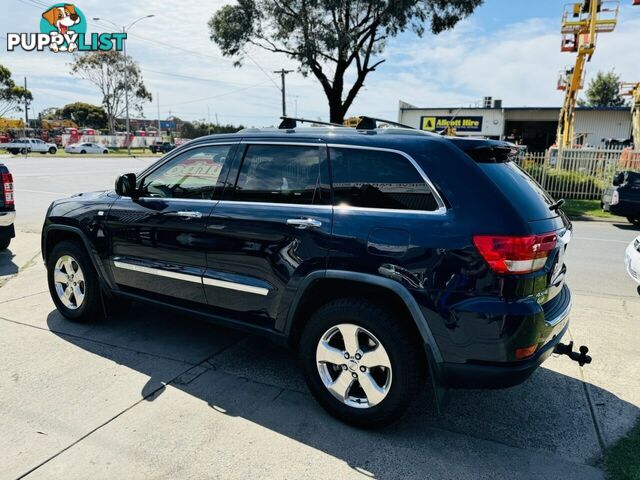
<point>488,375</point>
<point>7,218</point>
<point>501,374</point>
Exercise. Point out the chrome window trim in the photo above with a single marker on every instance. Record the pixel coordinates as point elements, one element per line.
<point>158,272</point>
<point>294,144</point>
<point>441,210</point>
<point>240,287</point>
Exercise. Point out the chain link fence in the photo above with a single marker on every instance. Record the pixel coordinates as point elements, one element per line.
<point>578,173</point>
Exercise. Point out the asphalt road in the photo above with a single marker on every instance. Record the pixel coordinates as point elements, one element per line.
<point>152,394</point>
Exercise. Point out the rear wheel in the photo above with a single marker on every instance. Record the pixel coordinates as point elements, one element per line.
<point>83,151</point>
<point>361,363</point>
<point>634,220</point>
<point>73,282</point>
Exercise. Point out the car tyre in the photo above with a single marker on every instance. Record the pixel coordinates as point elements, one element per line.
<point>634,220</point>
<point>53,151</point>
<point>395,387</point>
<point>24,151</point>
<point>105,151</point>
<point>78,301</point>
<point>83,151</point>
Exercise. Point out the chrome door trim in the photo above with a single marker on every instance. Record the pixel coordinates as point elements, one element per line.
<point>318,144</point>
<point>211,282</point>
<point>240,287</point>
<point>441,210</point>
<point>158,272</point>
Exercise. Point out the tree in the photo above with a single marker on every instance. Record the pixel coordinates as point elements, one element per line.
<point>332,39</point>
<point>106,70</point>
<point>85,115</point>
<point>12,96</point>
<point>603,91</point>
<point>51,113</point>
<point>201,128</point>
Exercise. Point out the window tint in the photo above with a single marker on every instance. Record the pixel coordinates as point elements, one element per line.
<point>375,179</point>
<point>282,174</point>
<point>193,174</point>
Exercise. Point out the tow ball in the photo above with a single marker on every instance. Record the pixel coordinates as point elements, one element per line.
<point>581,357</point>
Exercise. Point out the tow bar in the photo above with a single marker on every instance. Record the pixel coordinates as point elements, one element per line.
<point>582,358</point>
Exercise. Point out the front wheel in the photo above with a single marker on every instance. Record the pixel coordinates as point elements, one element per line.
<point>53,151</point>
<point>4,243</point>
<point>361,363</point>
<point>105,151</point>
<point>73,282</point>
<point>83,151</point>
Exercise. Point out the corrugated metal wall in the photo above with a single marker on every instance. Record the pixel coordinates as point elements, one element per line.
<point>603,124</point>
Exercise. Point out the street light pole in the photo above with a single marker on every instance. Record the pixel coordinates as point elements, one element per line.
<point>282,73</point>
<point>126,93</point>
<point>125,30</point>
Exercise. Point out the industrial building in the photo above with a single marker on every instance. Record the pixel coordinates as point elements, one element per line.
<point>535,127</point>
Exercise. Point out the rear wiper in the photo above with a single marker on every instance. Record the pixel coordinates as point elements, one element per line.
<point>555,206</point>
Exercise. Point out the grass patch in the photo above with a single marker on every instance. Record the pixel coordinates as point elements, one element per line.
<point>623,459</point>
<point>585,208</point>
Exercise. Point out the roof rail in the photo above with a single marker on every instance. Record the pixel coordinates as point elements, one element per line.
<point>371,123</point>
<point>291,122</point>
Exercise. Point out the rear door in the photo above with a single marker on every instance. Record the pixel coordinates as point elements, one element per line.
<point>159,240</point>
<point>270,230</point>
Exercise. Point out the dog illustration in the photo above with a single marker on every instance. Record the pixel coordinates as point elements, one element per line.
<point>62,18</point>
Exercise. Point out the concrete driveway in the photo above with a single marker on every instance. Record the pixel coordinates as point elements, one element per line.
<point>153,394</point>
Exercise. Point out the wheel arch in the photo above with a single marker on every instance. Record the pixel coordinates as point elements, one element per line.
<point>318,287</point>
<point>54,234</point>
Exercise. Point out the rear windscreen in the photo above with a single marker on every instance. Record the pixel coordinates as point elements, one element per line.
<point>522,191</point>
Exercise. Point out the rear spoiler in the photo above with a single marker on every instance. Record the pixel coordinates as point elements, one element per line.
<point>486,151</point>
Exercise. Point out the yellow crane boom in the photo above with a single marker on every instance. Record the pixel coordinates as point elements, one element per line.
<point>581,23</point>
<point>633,90</point>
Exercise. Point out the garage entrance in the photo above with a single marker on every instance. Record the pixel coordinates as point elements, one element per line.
<point>536,135</point>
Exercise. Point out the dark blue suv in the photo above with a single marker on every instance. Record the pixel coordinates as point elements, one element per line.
<point>384,257</point>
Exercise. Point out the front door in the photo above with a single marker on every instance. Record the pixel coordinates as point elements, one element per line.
<point>271,229</point>
<point>159,240</point>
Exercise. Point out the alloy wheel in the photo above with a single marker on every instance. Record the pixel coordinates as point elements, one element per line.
<point>69,282</point>
<point>354,366</point>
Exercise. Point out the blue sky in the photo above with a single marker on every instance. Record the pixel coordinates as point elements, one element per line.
<point>508,49</point>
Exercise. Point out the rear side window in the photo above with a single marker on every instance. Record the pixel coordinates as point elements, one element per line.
<point>283,174</point>
<point>376,179</point>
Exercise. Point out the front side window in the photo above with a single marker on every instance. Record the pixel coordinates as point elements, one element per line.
<point>192,174</point>
<point>377,179</point>
<point>283,174</point>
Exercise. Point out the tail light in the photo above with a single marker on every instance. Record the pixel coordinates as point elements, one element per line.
<point>511,255</point>
<point>615,198</point>
<point>7,188</point>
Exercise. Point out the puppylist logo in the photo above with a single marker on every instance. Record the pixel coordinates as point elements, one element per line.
<point>63,28</point>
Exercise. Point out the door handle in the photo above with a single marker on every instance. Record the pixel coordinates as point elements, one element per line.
<point>186,214</point>
<point>302,223</point>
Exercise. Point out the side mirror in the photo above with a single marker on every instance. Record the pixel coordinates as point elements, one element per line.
<point>126,185</point>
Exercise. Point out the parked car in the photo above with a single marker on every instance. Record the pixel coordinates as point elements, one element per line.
<point>623,197</point>
<point>379,256</point>
<point>7,208</point>
<point>632,260</point>
<point>163,147</point>
<point>26,145</point>
<point>86,147</point>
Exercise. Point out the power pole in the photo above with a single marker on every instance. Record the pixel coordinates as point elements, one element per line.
<point>26,106</point>
<point>158,104</point>
<point>282,73</point>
